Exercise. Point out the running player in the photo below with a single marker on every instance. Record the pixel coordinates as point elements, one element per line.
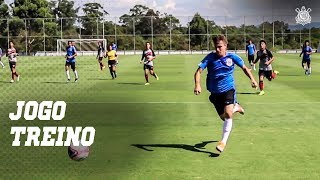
<point>112,61</point>
<point>71,61</point>
<point>250,51</point>
<point>147,58</point>
<point>1,54</point>
<point>12,56</point>
<point>265,67</point>
<point>221,84</point>
<point>101,52</point>
<point>306,59</point>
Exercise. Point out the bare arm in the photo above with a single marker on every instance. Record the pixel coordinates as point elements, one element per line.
<point>197,83</point>
<point>248,73</point>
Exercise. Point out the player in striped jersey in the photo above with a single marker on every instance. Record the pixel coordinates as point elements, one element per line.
<point>221,84</point>
<point>147,58</point>
<point>12,56</point>
<point>265,67</point>
<point>100,55</point>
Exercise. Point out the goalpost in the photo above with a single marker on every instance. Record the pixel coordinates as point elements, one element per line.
<point>83,46</point>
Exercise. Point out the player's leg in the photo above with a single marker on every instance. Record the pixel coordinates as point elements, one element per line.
<point>228,104</point>
<point>101,63</point>
<point>269,75</point>
<point>146,71</point>
<point>261,84</point>
<point>153,73</point>
<point>13,70</point>
<point>1,63</point>
<point>308,67</point>
<point>110,69</point>
<point>73,67</point>
<point>303,64</point>
<point>67,71</point>
<point>237,107</point>
<point>114,68</point>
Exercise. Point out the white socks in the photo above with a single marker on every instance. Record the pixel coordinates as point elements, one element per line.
<point>68,74</point>
<point>2,64</point>
<point>76,74</point>
<point>227,126</point>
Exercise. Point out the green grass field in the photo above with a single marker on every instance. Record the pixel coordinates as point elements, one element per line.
<point>163,131</point>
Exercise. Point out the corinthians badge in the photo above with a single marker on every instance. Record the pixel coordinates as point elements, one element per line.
<point>303,16</point>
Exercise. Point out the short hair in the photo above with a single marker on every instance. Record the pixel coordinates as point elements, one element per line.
<point>219,38</point>
<point>263,41</point>
<point>306,41</point>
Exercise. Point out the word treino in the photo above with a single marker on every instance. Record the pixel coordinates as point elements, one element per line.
<point>47,110</point>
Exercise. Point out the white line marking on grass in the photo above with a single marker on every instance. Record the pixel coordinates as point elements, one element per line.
<point>177,102</point>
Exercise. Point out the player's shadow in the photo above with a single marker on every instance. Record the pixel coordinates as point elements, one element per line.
<point>55,82</point>
<point>193,148</point>
<point>248,93</point>
<point>136,84</point>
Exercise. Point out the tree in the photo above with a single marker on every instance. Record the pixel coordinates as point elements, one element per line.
<point>64,9</point>
<point>198,27</point>
<point>93,15</point>
<point>4,14</point>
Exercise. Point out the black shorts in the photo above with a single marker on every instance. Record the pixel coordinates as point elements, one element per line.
<point>12,64</point>
<point>220,100</point>
<point>306,60</point>
<point>250,58</point>
<point>267,74</point>
<point>112,63</point>
<point>72,64</point>
<point>145,66</point>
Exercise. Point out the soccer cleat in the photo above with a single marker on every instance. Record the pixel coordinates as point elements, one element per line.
<point>76,80</point>
<point>220,147</point>
<point>261,93</point>
<point>103,67</point>
<point>254,68</point>
<point>18,78</point>
<point>157,77</point>
<point>276,72</point>
<point>147,84</point>
<point>68,80</point>
<point>12,81</point>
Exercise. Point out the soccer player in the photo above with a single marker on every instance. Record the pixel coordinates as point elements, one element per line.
<point>101,52</point>
<point>1,54</point>
<point>114,46</point>
<point>112,61</point>
<point>221,84</point>
<point>265,67</point>
<point>71,61</point>
<point>12,56</point>
<point>250,51</point>
<point>147,58</point>
<point>306,59</point>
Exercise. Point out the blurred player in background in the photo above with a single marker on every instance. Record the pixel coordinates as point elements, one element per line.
<point>265,67</point>
<point>250,51</point>
<point>112,61</point>
<point>1,54</point>
<point>12,56</point>
<point>71,61</point>
<point>100,55</point>
<point>114,46</point>
<point>147,58</point>
<point>306,59</point>
<point>221,84</point>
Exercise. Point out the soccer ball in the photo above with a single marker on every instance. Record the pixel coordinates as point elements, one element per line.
<point>78,153</point>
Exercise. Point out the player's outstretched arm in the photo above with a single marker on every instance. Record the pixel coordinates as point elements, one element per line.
<point>247,72</point>
<point>197,83</point>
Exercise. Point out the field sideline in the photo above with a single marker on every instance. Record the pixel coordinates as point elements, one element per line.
<point>164,131</point>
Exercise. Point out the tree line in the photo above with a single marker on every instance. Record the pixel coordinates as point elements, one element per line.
<point>35,25</point>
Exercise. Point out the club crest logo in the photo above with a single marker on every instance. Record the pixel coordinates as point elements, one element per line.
<point>303,16</point>
<point>229,62</point>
